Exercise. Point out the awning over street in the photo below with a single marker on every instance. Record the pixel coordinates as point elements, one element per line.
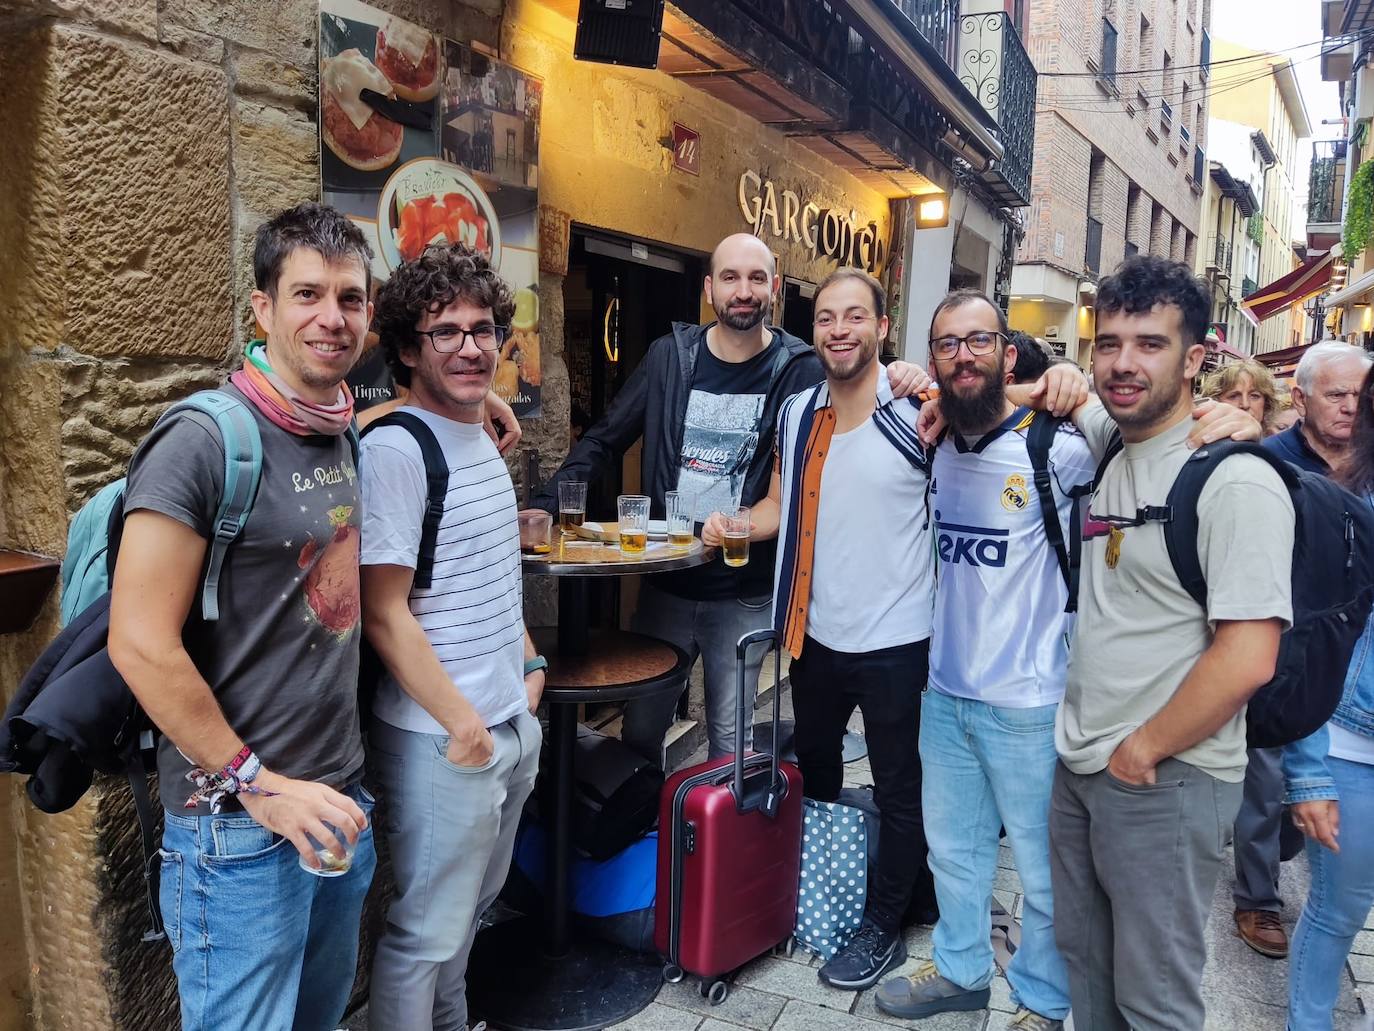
<point>1309,278</point>
<point>1356,291</point>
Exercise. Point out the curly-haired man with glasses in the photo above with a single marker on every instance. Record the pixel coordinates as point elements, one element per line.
<point>454,741</point>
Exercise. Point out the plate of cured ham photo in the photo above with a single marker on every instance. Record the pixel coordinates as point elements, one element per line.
<point>428,201</point>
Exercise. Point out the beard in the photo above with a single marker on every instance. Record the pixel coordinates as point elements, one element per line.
<point>852,364</point>
<point>970,414</point>
<point>741,321</point>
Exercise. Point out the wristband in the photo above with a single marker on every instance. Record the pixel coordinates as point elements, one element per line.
<point>535,664</point>
<point>235,778</point>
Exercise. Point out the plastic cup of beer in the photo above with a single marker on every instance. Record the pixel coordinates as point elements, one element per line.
<point>330,864</point>
<point>535,530</point>
<point>633,510</point>
<point>572,506</point>
<point>682,513</point>
<point>735,543</point>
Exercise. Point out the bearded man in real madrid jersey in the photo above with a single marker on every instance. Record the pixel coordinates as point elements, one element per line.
<point>998,657</point>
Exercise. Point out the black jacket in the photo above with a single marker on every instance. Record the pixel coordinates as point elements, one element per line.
<point>653,404</point>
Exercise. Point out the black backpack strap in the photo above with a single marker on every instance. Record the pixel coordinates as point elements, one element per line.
<point>1039,437</point>
<point>152,857</point>
<point>1181,529</point>
<point>436,478</point>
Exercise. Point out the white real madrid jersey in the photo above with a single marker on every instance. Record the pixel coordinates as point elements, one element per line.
<point>1001,634</point>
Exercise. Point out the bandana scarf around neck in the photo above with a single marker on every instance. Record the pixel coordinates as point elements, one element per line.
<point>284,406</point>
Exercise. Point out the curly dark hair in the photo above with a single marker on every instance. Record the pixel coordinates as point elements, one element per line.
<point>316,227</point>
<point>1142,281</point>
<point>430,283</point>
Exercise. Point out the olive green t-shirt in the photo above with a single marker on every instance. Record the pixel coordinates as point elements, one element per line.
<point>1139,632</point>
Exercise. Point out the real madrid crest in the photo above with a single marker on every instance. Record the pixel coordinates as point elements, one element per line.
<point>1014,494</point>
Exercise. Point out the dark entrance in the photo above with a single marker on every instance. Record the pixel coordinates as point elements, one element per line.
<point>798,307</point>
<point>620,295</point>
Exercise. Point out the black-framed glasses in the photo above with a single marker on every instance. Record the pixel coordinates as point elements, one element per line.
<point>984,341</point>
<point>448,339</point>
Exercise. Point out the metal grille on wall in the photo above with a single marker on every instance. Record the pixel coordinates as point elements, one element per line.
<point>995,68</point>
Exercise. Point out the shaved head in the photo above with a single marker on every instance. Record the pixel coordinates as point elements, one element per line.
<point>739,251</point>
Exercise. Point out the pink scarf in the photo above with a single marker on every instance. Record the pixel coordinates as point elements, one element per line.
<point>284,406</point>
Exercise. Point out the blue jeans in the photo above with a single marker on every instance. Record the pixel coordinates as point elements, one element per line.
<point>257,942</point>
<point>985,767</point>
<point>1337,905</point>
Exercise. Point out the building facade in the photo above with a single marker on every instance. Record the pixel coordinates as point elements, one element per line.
<point>1267,106</point>
<point>1334,201</point>
<point>1120,160</point>
<point>150,138</point>
<point>1229,258</point>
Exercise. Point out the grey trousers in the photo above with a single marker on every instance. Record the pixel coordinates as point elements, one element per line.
<point>1258,825</point>
<point>451,830</point>
<point>1134,870</point>
<point>709,629</point>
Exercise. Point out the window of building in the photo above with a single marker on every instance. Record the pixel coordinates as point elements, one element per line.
<point>1108,50</point>
<point>1147,44</point>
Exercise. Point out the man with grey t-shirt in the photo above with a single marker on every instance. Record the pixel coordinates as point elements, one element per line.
<point>1151,732</point>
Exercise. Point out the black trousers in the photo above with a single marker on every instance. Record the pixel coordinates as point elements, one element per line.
<point>886,687</point>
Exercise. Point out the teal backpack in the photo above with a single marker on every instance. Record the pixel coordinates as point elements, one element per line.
<point>93,537</point>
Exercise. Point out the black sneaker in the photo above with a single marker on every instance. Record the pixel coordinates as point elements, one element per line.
<point>871,954</point>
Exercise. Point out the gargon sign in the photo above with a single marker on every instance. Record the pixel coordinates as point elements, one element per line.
<point>825,232</point>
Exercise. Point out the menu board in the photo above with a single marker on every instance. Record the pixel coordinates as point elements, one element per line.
<point>424,140</point>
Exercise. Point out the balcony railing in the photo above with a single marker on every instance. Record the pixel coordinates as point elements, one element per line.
<point>1326,182</point>
<point>1092,259</point>
<point>938,22</point>
<point>994,66</point>
<point>1220,255</point>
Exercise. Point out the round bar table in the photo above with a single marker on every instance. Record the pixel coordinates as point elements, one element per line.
<point>537,975</point>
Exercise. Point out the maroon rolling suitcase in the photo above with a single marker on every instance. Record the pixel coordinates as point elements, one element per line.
<point>729,852</point>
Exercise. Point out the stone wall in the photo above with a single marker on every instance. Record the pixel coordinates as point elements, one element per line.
<point>146,141</point>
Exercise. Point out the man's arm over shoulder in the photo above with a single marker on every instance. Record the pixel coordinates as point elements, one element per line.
<point>605,443</point>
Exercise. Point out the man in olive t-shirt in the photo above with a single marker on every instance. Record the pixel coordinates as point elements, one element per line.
<point>1151,732</point>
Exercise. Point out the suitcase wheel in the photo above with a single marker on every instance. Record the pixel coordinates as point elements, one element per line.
<point>672,973</point>
<point>786,948</point>
<point>715,991</point>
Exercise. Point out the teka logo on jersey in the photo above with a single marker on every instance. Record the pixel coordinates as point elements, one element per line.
<point>975,545</point>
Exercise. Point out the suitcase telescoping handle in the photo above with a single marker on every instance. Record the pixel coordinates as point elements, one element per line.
<point>756,793</point>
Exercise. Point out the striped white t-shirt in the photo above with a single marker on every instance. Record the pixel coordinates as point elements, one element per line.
<point>472,612</point>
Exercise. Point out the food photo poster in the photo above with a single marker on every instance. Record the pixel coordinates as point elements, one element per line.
<point>425,140</point>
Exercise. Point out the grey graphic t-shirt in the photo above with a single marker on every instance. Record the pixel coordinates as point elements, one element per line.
<point>722,428</point>
<point>282,659</point>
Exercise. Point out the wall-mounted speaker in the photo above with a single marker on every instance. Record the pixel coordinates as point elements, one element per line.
<point>619,32</point>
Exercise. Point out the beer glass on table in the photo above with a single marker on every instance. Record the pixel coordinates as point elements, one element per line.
<point>572,506</point>
<point>633,510</point>
<point>682,513</point>
<point>535,529</point>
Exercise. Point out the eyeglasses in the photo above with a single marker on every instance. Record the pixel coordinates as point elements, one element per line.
<point>448,339</point>
<point>854,318</point>
<point>982,342</point>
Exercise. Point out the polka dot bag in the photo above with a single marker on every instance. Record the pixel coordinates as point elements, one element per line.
<point>834,875</point>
